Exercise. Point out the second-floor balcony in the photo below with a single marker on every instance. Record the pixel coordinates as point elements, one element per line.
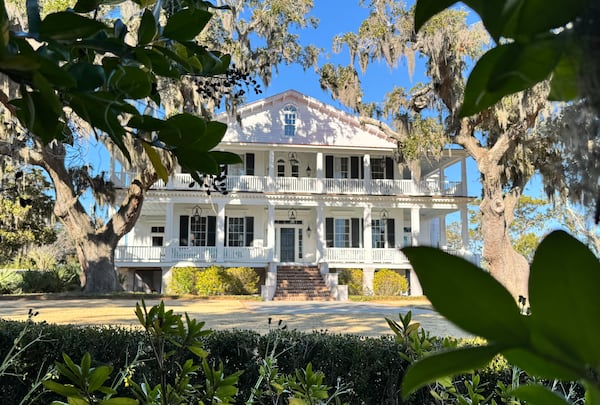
<point>258,184</point>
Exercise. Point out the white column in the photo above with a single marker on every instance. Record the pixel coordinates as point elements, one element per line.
<point>368,234</point>
<point>464,227</point>
<point>463,175</point>
<point>415,225</point>
<point>220,231</point>
<point>367,173</point>
<point>443,240</point>
<point>169,225</point>
<point>271,231</point>
<point>441,179</point>
<point>320,173</point>
<point>271,179</point>
<point>321,244</point>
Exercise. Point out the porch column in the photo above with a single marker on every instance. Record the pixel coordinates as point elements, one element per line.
<point>415,225</point>
<point>367,179</point>
<point>169,233</point>
<point>464,227</point>
<point>320,174</point>
<point>368,234</point>
<point>443,239</point>
<point>463,176</point>
<point>320,254</point>
<point>271,179</point>
<point>271,231</point>
<point>220,231</point>
<point>442,179</point>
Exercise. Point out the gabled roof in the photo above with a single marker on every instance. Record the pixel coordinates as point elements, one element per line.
<point>317,124</point>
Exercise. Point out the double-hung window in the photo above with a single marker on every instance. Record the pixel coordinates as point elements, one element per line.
<point>289,120</point>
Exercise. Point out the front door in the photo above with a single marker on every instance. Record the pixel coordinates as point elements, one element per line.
<point>287,247</point>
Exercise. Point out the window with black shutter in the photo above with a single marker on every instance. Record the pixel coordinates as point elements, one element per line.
<point>355,229</point>
<point>329,232</point>
<point>211,233</point>
<point>249,231</point>
<point>391,233</point>
<point>183,230</point>
<point>329,167</point>
<point>249,164</point>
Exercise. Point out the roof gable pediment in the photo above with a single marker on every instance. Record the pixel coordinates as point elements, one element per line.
<point>291,118</point>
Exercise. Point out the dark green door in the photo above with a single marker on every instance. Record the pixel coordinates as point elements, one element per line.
<point>287,246</point>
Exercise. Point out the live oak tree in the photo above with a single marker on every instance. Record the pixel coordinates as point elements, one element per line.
<point>500,138</point>
<point>132,78</point>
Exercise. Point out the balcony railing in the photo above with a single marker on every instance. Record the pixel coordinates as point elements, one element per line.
<point>182,181</point>
<point>196,254</point>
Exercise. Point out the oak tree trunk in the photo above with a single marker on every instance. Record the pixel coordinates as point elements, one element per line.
<point>507,266</point>
<point>98,268</point>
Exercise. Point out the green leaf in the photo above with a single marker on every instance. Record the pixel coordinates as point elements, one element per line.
<point>226,158</point>
<point>57,75</point>
<point>146,123</point>
<point>98,377</point>
<point>538,395</point>
<point>148,30</point>
<point>85,6</point>
<point>156,162</point>
<point>4,28</point>
<point>198,351</point>
<point>186,24</point>
<point>507,69</point>
<point>592,393</point>
<point>536,17</point>
<point>132,82</point>
<point>468,296</point>
<point>119,401</point>
<point>48,94</point>
<point>67,26</point>
<point>34,114</point>
<point>574,325</point>
<point>61,389</point>
<point>182,129</point>
<point>88,76</point>
<point>538,365</point>
<point>425,9</point>
<point>564,85</point>
<point>23,63</point>
<point>443,364</point>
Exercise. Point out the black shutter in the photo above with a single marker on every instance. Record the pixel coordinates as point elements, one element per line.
<point>389,168</point>
<point>249,230</point>
<point>362,231</point>
<point>362,167</point>
<point>183,230</point>
<point>329,167</point>
<point>329,232</point>
<point>391,233</point>
<point>354,167</point>
<point>249,164</point>
<point>211,231</point>
<point>355,225</point>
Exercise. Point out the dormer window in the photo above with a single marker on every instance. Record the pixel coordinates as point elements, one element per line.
<point>289,120</point>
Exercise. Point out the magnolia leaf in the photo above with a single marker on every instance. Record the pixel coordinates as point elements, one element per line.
<point>156,162</point>
<point>535,17</point>
<point>148,29</point>
<point>226,158</point>
<point>537,365</point>
<point>60,389</point>
<point>468,296</point>
<point>66,25</point>
<point>98,377</point>
<point>425,9</point>
<point>186,24</point>
<point>564,85</point>
<point>573,326</point>
<point>443,364</point>
<point>85,6</point>
<point>88,76</point>
<point>130,81</point>
<point>507,69</point>
<point>119,401</point>
<point>536,394</point>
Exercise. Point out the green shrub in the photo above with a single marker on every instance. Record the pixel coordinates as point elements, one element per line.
<point>212,280</point>
<point>243,280</point>
<point>387,282</point>
<point>353,278</point>
<point>183,280</point>
<point>10,282</point>
<point>40,282</point>
<point>68,275</point>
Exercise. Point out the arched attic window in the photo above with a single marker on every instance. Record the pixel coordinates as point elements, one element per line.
<point>290,115</point>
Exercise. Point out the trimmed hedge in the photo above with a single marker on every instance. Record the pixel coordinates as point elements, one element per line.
<point>373,366</point>
<point>388,283</point>
<point>214,280</point>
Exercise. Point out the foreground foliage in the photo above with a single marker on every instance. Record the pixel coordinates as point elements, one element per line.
<point>558,338</point>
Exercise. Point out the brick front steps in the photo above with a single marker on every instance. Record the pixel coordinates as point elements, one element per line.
<point>299,283</point>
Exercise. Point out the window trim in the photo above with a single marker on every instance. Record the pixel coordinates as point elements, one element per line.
<point>290,120</point>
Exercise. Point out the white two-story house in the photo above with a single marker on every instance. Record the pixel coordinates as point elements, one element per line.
<point>316,188</point>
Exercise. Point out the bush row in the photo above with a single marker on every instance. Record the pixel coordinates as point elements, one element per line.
<point>59,279</point>
<point>373,367</point>
<point>213,280</point>
<point>386,282</point>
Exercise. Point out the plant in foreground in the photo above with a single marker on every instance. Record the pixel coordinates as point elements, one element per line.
<point>558,340</point>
